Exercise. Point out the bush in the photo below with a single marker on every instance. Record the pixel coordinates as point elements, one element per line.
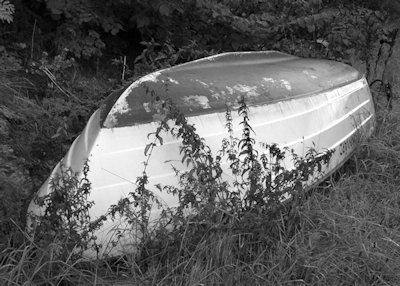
<point>208,206</point>
<point>66,219</point>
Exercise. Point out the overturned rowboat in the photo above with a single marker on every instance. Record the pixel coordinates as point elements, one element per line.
<point>294,102</point>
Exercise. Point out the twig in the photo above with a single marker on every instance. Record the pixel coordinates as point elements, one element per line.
<point>33,38</point>
<point>54,81</point>
<point>123,69</point>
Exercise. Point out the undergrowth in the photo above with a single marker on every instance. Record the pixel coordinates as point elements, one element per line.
<point>344,233</point>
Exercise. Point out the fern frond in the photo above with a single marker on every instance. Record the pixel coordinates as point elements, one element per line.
<point>7,11</point>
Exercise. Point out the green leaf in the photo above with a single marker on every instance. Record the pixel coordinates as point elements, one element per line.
<point>301,22</point>
<point>146,149</point>
<point>116,29</point>
<point>165,10</point>
<point>311,28</point>
<point>346,42</point>
<point>142,21</point>
<point>160,139</point>
<point>56,6</point>
<point>6,11</point>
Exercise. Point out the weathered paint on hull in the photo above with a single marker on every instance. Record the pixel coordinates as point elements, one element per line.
<point>328,115</point>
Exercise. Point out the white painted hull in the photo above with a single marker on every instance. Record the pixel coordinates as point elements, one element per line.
<point>331,119</point>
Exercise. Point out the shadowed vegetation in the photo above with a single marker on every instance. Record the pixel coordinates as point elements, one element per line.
<point>59,61</point>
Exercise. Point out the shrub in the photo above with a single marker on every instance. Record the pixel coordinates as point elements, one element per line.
<point>65,219</point>
<point>209,206</point>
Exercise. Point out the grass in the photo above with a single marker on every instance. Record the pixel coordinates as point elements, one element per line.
<point>347,232</point>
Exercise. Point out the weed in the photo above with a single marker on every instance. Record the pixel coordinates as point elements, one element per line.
<point>347,233</point>
<point>249,217</point>
<point>66,219</point>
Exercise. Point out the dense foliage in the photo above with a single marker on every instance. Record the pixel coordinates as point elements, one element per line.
<point>60,58</point>
<point>170,32</point>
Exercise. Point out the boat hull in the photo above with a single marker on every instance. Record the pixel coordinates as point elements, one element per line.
<point>334,118</point>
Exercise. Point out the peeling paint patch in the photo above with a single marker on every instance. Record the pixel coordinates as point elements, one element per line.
<point>249,90</point>
<point>309,74</point>
<point>146,106</point>
<point>153,77</point>
<point>197,100</point>
<point>286,84</point>
<point>213,57</point>
<point>120,107</point>
<point>202,83</point>
<point>230,90</point>
<point>268,79</point>
<point>218,95</point>
<point>173,80</point>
